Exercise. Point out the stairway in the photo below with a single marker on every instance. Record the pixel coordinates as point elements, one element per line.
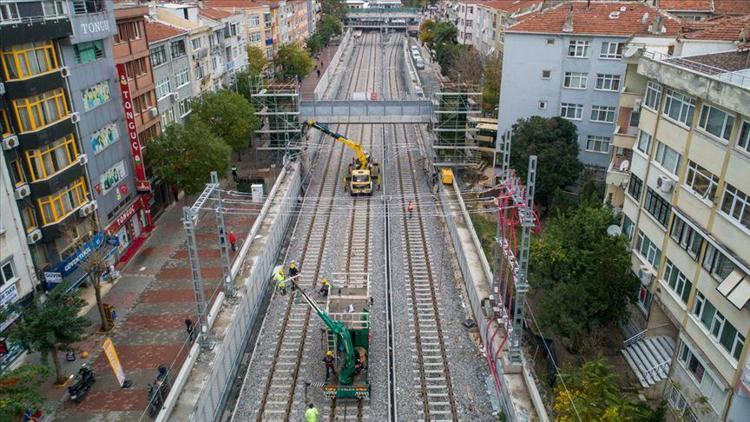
<point>650,359</point>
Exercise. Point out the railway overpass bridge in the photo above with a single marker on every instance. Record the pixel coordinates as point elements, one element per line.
<point>394,18</point>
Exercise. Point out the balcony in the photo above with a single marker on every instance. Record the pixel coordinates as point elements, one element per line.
<point>31,25</point>
<point>626,128</point>
<point>131,49</point>
<point>46,134</point>
<point>618,172</point>
<point>34,85</point>
<point>61,179</point>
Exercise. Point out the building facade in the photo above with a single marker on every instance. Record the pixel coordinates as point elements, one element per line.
<point>566,61</point>
<point>686,209</point>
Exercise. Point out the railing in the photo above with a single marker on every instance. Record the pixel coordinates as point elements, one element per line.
<point>737,78</point>
<point>653,372</point>
<point>636,337</point>
<point>384,10</point>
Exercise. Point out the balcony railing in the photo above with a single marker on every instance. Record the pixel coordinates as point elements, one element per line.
<point>738,78</point>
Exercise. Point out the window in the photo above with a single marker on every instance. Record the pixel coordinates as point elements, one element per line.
<point>39,111</point>
<point>611,50</point>
<point>627,226</point>
<point>52,8</point>
<point>182,77</point>
<point>644,298</point>
<point>87,52</point>
<point>647,249</point>
<point>81,7</point>
<point>542,105</point>
<point>667,157</point>
<point>143,103</point>
<point>167,118</point>
<point>644,142</point>
<point>597,143</point>
<point>5,128</point>
<point>688,238</point>
<point>16,173</point>
<point>197,44</point>
<point>184,107</point>
<point>602,114</point>
<point>701,181</point>
<point>128,31</point>
<point>679,403</point>
<point>30,59</point>
<point>546,74</point>
<point>653,95</point>
<point>163,88</point>
<point>635,187</point>
<point>737,205</point>
<point>158,55</point>
<point>607,82</point>
<point>657,206</point>
<point>56,207</point>
<point>550,41</point>
<point>9,12</point>
<point>677,282</point>
<point>717,325</point>
<point>679,107</point>
<point>254,37</point>
<point>178,48</point>
<point>716,263</point>
<point>744,140</point>
<point>136,68</point>
<point>29,219</point>
<point>571,111</point>
<point>253,20</point>
<point>575,80</point>
<point>52,158</point>
<point>7,272</point>
<point>578,48</point>
<point>717,122</point>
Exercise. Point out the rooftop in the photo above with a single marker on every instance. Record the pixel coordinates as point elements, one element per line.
<point>157,31</point>
<point>720,29</point>
<point>719,7</point>
<point>512,6</point>
<point>213,13</point>
<point>732,7</point>
<point>597,18</point>
<point>732,67</point>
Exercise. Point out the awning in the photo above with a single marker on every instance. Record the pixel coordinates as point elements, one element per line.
<point>736,288</point>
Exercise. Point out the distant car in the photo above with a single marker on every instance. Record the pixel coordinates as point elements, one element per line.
<point>414,49</point>
<point>419,63</point>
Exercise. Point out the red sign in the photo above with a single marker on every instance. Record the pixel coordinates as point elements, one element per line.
<point>125,216</point>
<point>141,182</point>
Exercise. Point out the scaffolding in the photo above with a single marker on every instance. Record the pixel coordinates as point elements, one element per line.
<point>277,105</point>
<point>454,105</point>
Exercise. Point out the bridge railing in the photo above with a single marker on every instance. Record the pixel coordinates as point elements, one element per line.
<point>384,11</point>
<point>362,111</point>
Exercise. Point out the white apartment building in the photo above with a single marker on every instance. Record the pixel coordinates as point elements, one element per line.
<point>232,42</point>
<point>686,209</point>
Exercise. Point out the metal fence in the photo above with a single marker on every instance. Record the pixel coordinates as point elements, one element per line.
<point>217,385</point>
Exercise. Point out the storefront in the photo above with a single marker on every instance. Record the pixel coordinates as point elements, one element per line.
<point>70,271</point>
<point>130,226</point>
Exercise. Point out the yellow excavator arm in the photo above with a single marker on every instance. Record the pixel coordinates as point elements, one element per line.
<point>357,148</point>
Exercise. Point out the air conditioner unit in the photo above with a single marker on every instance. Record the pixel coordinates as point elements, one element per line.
<point>65,71</point>
<point>664,184</point>
<point>154,112</point>
<point>645,275</point>
<point>75,117</point>
<point>22,191</point>
<point>10,142</point>
<point>637,104</point>
<point>83,159</point>
<point>34,236</point>
<point>87,209</point>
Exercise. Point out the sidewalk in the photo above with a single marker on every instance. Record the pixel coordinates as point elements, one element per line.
<point>307,87</point>
<point>152,299</point>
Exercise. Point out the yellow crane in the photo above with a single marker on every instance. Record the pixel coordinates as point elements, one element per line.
<point>363,171</point>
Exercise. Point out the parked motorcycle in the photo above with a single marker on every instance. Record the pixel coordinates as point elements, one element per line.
<point>158,391</point>
<point>82,382</point>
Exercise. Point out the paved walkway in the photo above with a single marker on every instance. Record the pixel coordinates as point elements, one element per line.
<point>307,87</point>
<point>153,298</point>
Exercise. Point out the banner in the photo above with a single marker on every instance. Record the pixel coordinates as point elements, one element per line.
<point>141,182</point>
<point>114,361</point>
<point>69,264</point>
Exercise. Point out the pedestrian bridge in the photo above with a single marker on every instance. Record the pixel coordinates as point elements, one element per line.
<point>363,112</point>
<point>382,17</point>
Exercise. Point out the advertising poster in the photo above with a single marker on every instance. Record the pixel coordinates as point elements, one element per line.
<point>96,95</point>
<point>104,137</point>
<point>112,177</point>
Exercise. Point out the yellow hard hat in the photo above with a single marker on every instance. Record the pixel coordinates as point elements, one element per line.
<point>329,353</point>
<point>325,281</point>
<point>292,264</point>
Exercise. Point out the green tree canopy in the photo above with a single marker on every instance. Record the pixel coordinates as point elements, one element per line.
<point>491,74</point>
<point>582,273</point>
<point>229,116</point>
<point>52,326</point>
<point>592,394</point>
<point>329,27</point>
<point>19,391</point>
<point>555,143</point>
<point>185,155</point>
<point>426,33</point>
<point>335,8</point>
<point>314,43</point>
<point>256,60</point>
<point>294,62</point>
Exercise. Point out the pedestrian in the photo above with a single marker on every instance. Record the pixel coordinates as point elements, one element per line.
<point>318,70</point>
<point>175,193</point>
<point>311,414</point>
<point>234,173</point>
<point>280,281</point>
<point>190,329</point>
<point>233,241</point>
<point>324,287</point>
<point>410,208</point>
<point>330,364</point>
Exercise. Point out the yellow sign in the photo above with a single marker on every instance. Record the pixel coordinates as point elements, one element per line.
<point>114,361</point>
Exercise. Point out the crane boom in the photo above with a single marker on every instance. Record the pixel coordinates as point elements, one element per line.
<point>357,148</point>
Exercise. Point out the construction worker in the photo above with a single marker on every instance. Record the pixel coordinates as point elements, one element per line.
<point>233,241</point>
<point>410,208</point>
<point>280,280</point>
<point>324,287</point>
<point>311,414</point>
<point>330,364</point>
<point>293,273</point>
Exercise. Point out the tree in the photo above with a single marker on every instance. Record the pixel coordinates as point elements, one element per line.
<point>555,143</point>
<point>52,326</point>
<point>466,65</point>
<point>314,43</point>
<point>590,393</point>
<point>491,75</point>
<point>185,155</point>
<point>426,34</point>
<point>95,265</point>
<point>19,391</point>
<point>582,273</point>
<point>294,62</point>
<point>335,8</point>
<point>328,27</point>
<point>256,60</point>
<point>246,84</point>
<point>229,116</point>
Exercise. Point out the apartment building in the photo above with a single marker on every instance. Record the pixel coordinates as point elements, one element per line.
<point>257,22</point>
<point>133,61</point>
<point>492,17</point>
<point>702,9</point>
<point>566,61</point>
<point>686,209</point>
<point>172,70</point>
<point>229,43</point>
<point>42,148</point>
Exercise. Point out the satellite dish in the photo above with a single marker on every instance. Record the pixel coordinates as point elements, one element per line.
<point>614,230</point>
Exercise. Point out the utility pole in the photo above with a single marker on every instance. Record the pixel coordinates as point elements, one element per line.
<point>221,227</point>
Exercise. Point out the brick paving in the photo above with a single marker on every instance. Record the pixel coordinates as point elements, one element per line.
<point>307,87</point>
<point>153,298</point>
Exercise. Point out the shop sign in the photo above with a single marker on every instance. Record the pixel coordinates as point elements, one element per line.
<point>71,263</point>
<point>9,295</point>
<point>124,217</point>
<point>141,182</point>
<point>52,278</point>
<point>112,177</point>
<point>95,27</point>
